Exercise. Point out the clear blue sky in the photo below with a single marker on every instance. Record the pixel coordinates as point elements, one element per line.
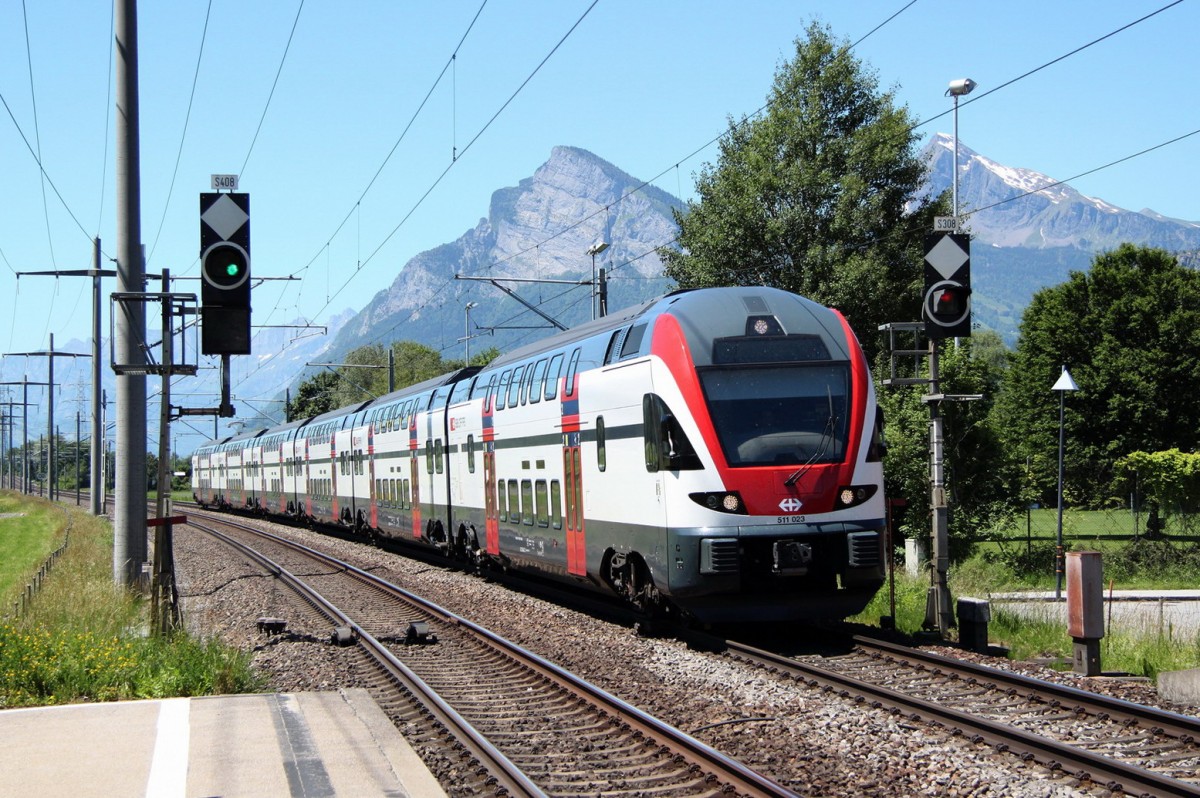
<point>641,83</point>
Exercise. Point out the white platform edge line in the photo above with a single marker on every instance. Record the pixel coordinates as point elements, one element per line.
<point>169,766</point>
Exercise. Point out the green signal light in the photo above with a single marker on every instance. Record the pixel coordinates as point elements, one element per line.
<point>233,269</point>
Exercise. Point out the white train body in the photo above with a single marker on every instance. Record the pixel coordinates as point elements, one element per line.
<point>716,450</point>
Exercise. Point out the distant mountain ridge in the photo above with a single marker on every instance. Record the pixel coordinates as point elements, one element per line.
<point>1047,214</point>
<point>1029,233</point>
<point>540,229</point>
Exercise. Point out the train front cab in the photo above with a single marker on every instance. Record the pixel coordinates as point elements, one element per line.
<point>768,451</point>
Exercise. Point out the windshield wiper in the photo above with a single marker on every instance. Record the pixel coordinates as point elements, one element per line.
<point>826,436</point>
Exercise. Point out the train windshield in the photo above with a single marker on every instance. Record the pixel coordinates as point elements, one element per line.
<point>779,414</point>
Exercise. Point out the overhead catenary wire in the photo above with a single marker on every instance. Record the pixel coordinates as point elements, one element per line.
<point>420,201</point>
<point>1035,70</point>
<point>183,136</point>
<point>271,94</point>
<point>759,111</point>
<point>37,133</point>
<point>329,297</point>
<point>303,271</point>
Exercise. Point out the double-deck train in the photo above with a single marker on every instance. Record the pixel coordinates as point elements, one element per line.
<point>714,452</point>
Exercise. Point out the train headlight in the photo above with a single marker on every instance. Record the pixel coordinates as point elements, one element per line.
<point>721,502</point>
<point>854,495</point>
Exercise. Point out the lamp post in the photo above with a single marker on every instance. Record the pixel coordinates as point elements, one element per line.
<point>594,250</point>
<point>958,88</point>
<point>467,330</point>
<point>1064,384</point>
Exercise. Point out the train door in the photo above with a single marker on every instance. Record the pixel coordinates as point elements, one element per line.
<point>415,474</point>
<point>308,485</point>
<point>357,472</point>
<point>373,513</point>
<point>491,519</point>
<point>333,475</point>
<point>258,456</point>
<point>573,471</point>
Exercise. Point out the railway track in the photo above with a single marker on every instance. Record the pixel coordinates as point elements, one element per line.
<point>531,727</point>
<point>1115,744</point>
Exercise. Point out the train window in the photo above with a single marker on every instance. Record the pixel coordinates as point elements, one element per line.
<point>514,502</point>
<point>378,489</point>
<point>460,392</point>
<point>471,453</point>
<point>667,445</point>
<point>480,389</point>
<point>552,372</point>
<point>429,455</point>
<point>543,507</point>
<point>536,381</point>
<point>556,504</point>
<point>525,389</point>
<point>438,454</point>
<point>633,341</point>
<point>601,447</point>
<point>527,502</point>
<point>501,390</point>
<point>514,387</point>
<point>501,505</point>
<point>407,494</point>
<point>572,369</point>
<point>614,345</point>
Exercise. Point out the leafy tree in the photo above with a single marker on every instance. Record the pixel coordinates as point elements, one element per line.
<point>1129,332</point>
<point>314,396</point>
<point>1169,480</point>
<point>813,196</point>
<point>353,384</point>
<point>973,459</point>
<point>416,363</point>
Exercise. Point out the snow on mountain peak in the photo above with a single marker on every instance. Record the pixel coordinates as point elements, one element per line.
<point>1026,181</point>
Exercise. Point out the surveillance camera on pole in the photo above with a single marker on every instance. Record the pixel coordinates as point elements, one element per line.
<point>225,273</point>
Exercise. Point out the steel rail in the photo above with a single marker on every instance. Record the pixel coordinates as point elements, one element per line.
<point>744,780</point>
<point>1111,773</point>
<point>507,774</point>
<point>1185,727</point>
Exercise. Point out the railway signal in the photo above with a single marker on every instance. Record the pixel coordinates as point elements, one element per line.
<point>225,273</point>
<point>947,300</point>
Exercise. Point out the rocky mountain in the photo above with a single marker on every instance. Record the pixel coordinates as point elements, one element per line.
<point>1029,231</point>
<point>540,229</point>
<point>1027,234</point>
<point>1021,208</point>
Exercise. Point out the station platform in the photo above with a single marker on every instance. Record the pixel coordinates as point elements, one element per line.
<point>275,744</point>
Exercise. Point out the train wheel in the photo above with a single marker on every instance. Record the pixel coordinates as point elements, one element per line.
<point>630,578</point>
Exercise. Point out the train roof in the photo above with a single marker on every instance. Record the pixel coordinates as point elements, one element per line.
<point>578,333</point>
<point>712,312</point>
<point>704,313</point>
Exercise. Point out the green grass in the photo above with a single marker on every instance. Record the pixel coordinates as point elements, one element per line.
<point>82,638</point>
<point>1138,652</point>
<point>25,543</point>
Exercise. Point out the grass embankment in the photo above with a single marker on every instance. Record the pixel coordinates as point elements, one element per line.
<point>82,638</point>
<point>1141,653</point>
